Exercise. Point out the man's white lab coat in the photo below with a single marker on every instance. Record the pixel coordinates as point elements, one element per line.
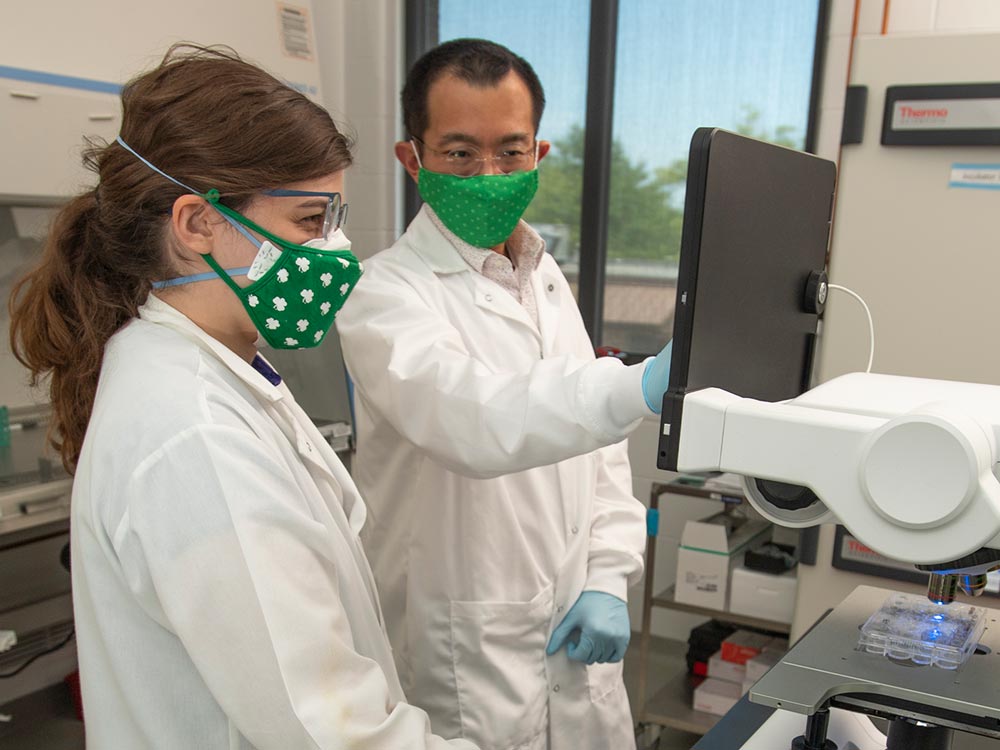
<point>490,455</point>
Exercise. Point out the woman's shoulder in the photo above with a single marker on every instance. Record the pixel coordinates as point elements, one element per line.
<point>156,381</point>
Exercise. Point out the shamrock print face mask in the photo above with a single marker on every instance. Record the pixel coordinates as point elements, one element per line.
<point>298,289</point>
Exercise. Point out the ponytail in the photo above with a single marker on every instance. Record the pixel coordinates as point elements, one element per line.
<point>62,315</point>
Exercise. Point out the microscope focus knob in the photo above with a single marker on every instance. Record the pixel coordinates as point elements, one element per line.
<point>921,469</point>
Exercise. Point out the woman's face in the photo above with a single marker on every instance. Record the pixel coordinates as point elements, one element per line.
<point>212,304</point>
<point>297,219</point>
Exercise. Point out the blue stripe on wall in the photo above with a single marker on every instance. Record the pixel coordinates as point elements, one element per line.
<point>53,79</point>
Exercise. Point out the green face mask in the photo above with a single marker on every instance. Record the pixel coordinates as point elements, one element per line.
<point>299,289</point>
<point>481,210</point>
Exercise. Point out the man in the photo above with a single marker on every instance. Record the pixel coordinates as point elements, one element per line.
<point>503,533</point>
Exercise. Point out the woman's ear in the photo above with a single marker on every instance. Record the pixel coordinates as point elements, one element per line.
<point>193,224</point>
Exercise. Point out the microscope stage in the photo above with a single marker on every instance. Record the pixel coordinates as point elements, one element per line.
<point>828,666</point>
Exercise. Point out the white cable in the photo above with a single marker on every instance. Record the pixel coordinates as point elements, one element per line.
<point>871,325</point>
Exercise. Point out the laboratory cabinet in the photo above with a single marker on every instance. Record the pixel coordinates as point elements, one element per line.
<point>44,132</point>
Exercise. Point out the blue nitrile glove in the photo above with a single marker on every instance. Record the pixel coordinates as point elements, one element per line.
<point>656,378</point>
<point>601,622</point>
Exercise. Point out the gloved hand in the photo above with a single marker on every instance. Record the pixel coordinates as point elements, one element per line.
<point>601,622</point>
<point>656,378</point>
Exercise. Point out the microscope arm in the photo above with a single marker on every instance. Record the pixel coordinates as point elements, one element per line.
<point>916,486</point>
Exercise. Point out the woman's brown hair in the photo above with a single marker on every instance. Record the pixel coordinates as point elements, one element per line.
<point>206,118</point>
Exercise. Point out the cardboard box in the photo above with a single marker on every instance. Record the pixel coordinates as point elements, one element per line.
<point>726,670</point>
<point>757,666</point>
<point>743,645</point>
<point>716,696</point>
<point>764,595</point>
<point>709,551</point>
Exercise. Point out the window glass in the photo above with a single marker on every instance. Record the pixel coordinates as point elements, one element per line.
<point>742,65</point>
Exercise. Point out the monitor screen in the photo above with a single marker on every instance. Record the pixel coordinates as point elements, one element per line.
<point>756,228</point>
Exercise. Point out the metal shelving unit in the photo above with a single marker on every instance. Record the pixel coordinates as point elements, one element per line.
<point>671,705</point>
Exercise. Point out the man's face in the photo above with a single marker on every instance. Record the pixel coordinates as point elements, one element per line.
<point>462,118</point>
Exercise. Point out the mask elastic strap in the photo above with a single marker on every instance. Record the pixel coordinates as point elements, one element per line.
<point>212,196</point>
<point>155,168</point>
<point>207,276</point>
<point>414,147</point>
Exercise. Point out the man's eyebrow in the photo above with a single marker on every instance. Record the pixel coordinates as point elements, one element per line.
<point>515,137</point>
<point>457,138</point>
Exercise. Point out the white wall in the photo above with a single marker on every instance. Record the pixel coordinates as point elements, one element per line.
<point>371,64</point>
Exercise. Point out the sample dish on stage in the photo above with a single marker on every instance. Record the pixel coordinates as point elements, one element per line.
<point>911,628</point>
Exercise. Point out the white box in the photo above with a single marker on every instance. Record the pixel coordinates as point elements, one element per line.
<point>757,667</point>
<point>747,684</point>
<point>725,670</point>
<point>709,551</point>
<point>764,595</point>
<point>716,696</point>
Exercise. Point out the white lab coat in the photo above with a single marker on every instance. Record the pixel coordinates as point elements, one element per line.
<point>494,501</point>
<point>221,595</point>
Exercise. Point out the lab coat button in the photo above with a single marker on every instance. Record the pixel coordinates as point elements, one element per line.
<point>555,689</point>
<point>560,608</point>
<point>575,529</point>
<point>552,287</point>
<point>489,297</point>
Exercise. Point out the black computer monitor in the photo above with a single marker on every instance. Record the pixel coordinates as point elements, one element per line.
<point>756,231</point>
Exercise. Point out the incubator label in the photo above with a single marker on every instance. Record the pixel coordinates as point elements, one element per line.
<point>977,176</point>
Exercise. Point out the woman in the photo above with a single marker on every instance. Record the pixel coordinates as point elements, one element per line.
<point>222,598</point>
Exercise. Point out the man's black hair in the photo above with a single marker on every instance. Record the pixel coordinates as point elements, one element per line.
<point>478,62</point>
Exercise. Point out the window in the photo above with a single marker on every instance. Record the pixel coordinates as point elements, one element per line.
<point>678,65</point>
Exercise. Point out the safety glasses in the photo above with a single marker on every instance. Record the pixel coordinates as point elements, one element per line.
<point>335,215</point>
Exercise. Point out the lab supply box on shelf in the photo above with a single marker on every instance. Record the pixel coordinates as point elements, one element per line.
<point>726,670</point>
<point>715,696</point>
<point>765,595</point>
<point>709,551</point>
<point>744,645</point>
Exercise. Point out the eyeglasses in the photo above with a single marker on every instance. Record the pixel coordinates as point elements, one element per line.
<point>468,161</point>
<point>335,214</point>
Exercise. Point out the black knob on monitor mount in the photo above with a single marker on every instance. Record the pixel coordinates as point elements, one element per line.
<point>817,290</point>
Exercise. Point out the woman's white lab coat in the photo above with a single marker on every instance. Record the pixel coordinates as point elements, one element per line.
<point>494,501</point>
<point>222,598</point>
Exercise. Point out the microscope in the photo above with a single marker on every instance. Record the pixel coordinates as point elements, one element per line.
<point>908,465</point>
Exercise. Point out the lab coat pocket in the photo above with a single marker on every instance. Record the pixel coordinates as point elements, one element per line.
<point>603,679</point>
<point>498,653</point>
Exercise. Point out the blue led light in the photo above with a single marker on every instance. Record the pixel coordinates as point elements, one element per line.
<point>937,617</point>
